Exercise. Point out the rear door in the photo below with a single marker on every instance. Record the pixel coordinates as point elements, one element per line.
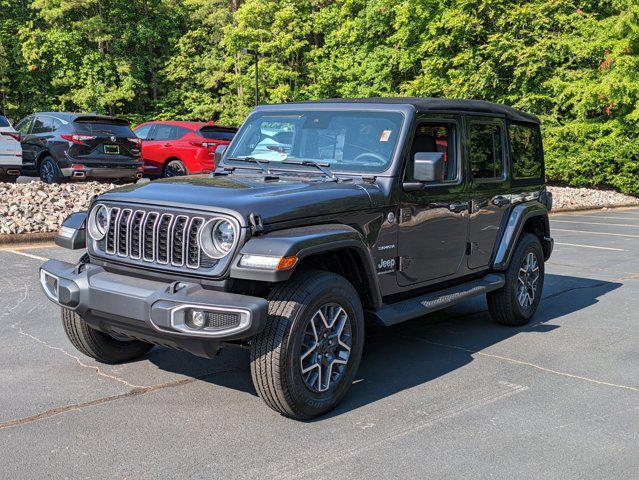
<point>488,188</point>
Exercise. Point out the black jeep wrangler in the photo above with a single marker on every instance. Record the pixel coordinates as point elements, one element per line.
<point>321,217</point>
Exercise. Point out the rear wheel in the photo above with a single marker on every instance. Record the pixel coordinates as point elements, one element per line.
<point>517,301</point>
<point>174,168</point>
<point>50,171</point>
<point>305,359</point>
<point>99,345</point>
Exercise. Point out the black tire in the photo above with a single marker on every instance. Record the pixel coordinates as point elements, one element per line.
<point>8,178</point>
<point>503,304</point>
<point>276,353</point>
<point>49,171</point>
<point>101,346</point>
<point>174,168</point>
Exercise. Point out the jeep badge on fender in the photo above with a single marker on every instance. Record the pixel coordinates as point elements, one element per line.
<point>181,262</point>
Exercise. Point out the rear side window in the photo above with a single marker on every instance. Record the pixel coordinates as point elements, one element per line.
<point>103,128</point>
<point>525,145</point>
<point>485,151</point>
<point>214,133</point>
<point>4,122</point>
<point>144,131</point>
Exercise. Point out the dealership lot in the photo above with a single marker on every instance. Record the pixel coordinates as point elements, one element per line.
<point>445,396</point>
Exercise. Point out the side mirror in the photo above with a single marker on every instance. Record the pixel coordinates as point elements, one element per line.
<point>428,167</point>
<point>217,155</point>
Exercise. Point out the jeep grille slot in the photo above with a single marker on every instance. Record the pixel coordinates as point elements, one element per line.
<point>155,237</point>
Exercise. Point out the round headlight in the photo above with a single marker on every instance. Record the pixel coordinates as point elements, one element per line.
<point>218,239</point>
<point>99,222</point>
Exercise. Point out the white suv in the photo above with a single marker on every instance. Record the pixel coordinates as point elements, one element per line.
<point>10,152</point>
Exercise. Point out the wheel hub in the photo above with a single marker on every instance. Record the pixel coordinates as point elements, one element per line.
<point>326,347</point>
<point>528,280</point>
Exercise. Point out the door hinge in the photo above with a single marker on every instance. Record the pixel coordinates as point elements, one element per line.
<point>405,215</point>
<point>403,263</point>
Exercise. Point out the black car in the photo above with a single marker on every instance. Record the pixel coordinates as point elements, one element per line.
<point>58,146</point>
<point>321,218</point>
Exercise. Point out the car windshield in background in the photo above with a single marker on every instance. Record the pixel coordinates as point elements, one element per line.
<point>99,128</point>
<point>4,122</point>
<point>356,141</point>
<point>214,133</point>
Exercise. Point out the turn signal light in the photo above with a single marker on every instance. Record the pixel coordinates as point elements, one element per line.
<point>267,262</point>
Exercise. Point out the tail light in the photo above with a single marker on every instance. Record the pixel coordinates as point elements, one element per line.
<point>203,144</point>
<point>136,140</point>
<point>14,135</point>
<point>75,138</point>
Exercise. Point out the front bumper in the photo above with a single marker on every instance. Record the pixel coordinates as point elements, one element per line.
<point>150,310</point>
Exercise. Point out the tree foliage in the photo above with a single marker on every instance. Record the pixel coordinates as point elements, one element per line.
<point>573,63</point>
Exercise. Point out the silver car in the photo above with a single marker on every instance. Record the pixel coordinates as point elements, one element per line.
<point>10,152</point>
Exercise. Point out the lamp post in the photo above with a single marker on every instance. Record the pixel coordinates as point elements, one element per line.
<point>256,55</point>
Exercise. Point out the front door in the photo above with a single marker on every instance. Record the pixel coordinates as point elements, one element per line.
<point>433,226</point>
<point>488,186</point>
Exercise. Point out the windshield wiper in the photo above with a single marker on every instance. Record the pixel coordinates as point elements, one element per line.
<point>322,167</point>
<point>259,163</point>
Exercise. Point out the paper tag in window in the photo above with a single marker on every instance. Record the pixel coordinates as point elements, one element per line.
<point>385,136</point>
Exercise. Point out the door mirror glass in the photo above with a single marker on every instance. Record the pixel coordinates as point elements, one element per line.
<point>219,151</point>
<point>428,167</point>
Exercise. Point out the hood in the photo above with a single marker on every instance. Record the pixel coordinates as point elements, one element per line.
<point>275,200</point>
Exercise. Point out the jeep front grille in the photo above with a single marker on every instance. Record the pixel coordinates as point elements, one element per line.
<point>155,237</point>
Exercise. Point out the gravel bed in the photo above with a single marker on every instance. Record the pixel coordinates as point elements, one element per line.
<point>36,207</point>
<point>566,198</point>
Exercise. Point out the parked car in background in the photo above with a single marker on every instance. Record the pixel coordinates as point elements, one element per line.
<point>10,152</point>
<point>171,149</point>
<point>58,146</point>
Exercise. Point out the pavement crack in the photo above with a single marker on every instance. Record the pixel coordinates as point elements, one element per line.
<point>136,392</point>
<point>522,362</point>
<point>97,369</point>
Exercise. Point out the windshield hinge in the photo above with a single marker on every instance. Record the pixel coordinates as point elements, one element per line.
<point>256,224</point>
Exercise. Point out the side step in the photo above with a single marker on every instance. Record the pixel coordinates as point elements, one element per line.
<point>391,314</point>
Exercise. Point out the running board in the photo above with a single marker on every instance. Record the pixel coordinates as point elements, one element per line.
<point>391,314</point>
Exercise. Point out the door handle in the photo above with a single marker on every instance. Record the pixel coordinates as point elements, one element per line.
<point>458,207</point>
<point>501,201</point>
<point>167,145</point>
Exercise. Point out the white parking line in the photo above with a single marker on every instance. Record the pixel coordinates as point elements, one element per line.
<point>600,217</point>
<point>24,254</point>
<point>595,233</point>
<point>591,246</point>
<point>597,223</point>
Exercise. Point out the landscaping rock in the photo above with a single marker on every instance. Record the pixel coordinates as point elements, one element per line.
<point>566,198</point>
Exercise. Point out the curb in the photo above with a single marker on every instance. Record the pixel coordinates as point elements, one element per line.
<point>25,238</point>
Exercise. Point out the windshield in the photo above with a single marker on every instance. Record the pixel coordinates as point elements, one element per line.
<point>344,140</point>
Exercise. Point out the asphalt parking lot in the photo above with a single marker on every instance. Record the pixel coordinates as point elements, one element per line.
<point>450,395</point>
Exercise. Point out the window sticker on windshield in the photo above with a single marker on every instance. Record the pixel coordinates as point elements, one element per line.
<point>385,136</point>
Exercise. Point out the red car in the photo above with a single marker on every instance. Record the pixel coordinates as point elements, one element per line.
<point>171,149</point>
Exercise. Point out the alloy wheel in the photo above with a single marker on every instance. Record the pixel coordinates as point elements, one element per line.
<point>175,169</point>
<point>528,280</point>
<point>47,172</point>
<point>326,347</point>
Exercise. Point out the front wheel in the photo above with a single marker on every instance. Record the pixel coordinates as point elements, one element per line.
<point>517,301</point>
<point>99,345</point>
<point>305,359</point>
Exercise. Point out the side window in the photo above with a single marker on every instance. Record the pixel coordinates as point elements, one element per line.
<point>525,145</point>
<point>435,138</point>
<point>178,132</point>
<point>24,126</point>
<point>485,151</point>
<point>163,132</point>
<point>42,125</point>
<point>144,131</point>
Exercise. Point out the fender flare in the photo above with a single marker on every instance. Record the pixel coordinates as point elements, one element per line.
<point>302,243</point>
<point>517,218</point>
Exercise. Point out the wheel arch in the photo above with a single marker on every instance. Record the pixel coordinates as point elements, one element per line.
<point>530,217</point>
<point>334,248</point>
<point>41,156</point>
<point>170,159</point>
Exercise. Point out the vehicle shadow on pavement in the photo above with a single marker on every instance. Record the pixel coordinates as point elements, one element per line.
<point>421,350</point>
<point>412,353</point>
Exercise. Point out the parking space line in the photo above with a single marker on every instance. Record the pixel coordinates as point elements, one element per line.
<point>596,223</point>
<point>24,254</point>
<point>595,233</point>
<point>599,217</point>
<point>591,246</point>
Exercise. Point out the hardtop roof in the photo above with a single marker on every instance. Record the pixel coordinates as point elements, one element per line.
<point>441,105</point>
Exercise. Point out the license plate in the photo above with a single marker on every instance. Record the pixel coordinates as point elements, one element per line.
<point>112,149</point>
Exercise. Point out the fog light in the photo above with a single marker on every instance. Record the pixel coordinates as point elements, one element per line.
<point>198,318</point>
<point>50,285</point>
